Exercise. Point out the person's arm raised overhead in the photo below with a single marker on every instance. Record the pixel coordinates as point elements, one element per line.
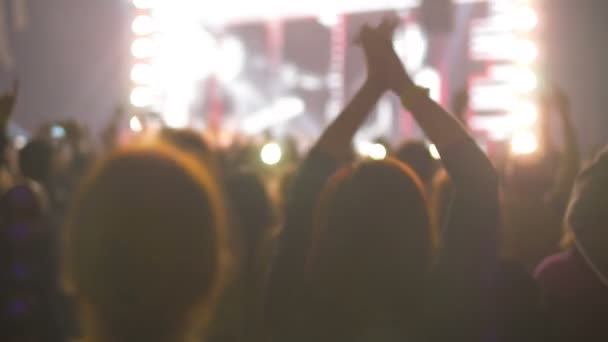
<point>462,276</point>
<point>7,105</point>
<point>569,161</point>
<point>333,147</point>
<point>336,140</point>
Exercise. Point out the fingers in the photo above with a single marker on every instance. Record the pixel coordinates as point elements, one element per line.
<point>389,24</point>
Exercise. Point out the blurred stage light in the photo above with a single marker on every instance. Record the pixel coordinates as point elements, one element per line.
<point>411,45</point>
<point>524,115</point>
<point>271,154</point>
<point>231,59</point>
<point>187,54</point>
<point>290,104</point>
<point>434,152</point>
<point>281,111</point>
<point>145,4</point>
<point>135,124</point>
<point>142,74</point>
<point>429,78</point>
<point>20,141</point>
<point>143,25</point>
<point>141,97</point>
<point>525,51</point>
<point>375,151</point>
<point>525,80</point>
<point>524,142</point>
<point>328,19</point>
<point>143,48</point>
<point>310,82</point>
<point>527,18</point>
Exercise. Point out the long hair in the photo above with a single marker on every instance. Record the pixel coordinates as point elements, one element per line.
<point>145,245</point>
<point>372,246</point>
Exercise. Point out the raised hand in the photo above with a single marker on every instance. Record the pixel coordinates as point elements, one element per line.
<point>7,103</point>
<point>384,66</point>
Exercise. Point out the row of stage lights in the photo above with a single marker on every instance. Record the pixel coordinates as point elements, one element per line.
<point>525,116</point>
<point>171,54</point>
<point>191,55</point>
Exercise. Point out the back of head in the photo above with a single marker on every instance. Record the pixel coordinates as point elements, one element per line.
<point>252,207</point>
<point>372,242</point>
<point>587,215</point>
<point>35,161</point>
<point>144,245</point>
<point>187,140</point>
<point>417,156</point>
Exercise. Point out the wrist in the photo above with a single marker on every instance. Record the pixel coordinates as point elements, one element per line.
<point>412,95</point>
<point>374,86</point>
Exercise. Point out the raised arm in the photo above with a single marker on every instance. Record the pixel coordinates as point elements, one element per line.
<point>286,282</point>
<point>461,279</point>
<point>569,161</point>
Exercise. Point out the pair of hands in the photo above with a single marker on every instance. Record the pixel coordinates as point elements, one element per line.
<point>385,71</point>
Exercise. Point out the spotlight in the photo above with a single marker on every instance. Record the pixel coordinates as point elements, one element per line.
<point>375,151</point>
<point>231,59</point>
<point>525,51</point>
<point>141,97</point>
<point>135,124</point>
<point>143,48</point>
<point>527,18</point>
<point>524,115</point>
<point>271,154</point>
<point>525,80</point>
<point>143,25</point>
<point>142,74</point>
<point>145,4</point>
<point>524,142</point>
<point>434,152</point>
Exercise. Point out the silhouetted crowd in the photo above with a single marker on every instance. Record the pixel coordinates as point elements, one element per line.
<point>171,237</point>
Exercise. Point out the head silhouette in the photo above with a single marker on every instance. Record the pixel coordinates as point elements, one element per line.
<point>144,246</point>
<point>417,156</point>
<point>372,243</point>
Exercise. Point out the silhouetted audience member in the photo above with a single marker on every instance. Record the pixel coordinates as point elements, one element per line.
<point>416,154</point>
<point>574,283</point>
<point>145,246</point>
<point>359,265</point>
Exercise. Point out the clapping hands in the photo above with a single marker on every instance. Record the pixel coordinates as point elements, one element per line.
<point>384,67</point>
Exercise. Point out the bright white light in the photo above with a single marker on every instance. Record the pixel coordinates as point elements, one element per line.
<point>289,105</point>
<point>374,151</point>
<point>411,45</point>
<point>143,48</point>
<point>429,78</point>
<point>377,152</point>
<point>328,19</point>
<point>145,4</point>
<point>527,18</point>
<point>188,53</point>
<point>271,154</point>
<point>141,97</point>
<point>434,152</point>
<point>143,25</point>
<point>525,51</point>
<point>288,74</point>
<point>525,80</point>
<point>284,109</point>
<point>142,74</point>
<point>524,115</point>
<point>20,142</point>
<point>524,142</point>
<point>310,82</point>
<point>135,124</point>
<point>231,59</point>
